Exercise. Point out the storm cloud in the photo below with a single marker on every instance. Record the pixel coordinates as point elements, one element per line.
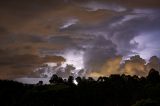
<point>101,37</point>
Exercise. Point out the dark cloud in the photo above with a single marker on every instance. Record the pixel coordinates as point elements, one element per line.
<point>60,40</point>
<point>100,49</point>
<point>55,59</point>
<point>122,29</point>
<point>14,65</point>
<point>3,30</point>
<point>105,31</point>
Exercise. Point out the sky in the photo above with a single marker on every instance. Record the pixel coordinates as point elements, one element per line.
<point>94,38</point>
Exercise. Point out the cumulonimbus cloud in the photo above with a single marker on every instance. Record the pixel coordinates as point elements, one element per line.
<point>133,66</point>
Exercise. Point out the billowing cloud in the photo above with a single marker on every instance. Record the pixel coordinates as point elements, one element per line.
<point>138,66</point>
<point>14,65</point>
<point>95,35</point>
<point>111,66</point>
<point>133,66</point>
<point>96,54</point>
<point>154,62</point>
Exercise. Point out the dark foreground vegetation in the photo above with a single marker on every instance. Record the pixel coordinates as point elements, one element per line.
<point>116,90</point>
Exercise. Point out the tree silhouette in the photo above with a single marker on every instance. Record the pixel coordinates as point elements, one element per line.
<point>54,79</point>
<point>79,80</point>
<point>153,76</point>
<point>40,83</point>
<point>70,79</point>
<point>115,90</point>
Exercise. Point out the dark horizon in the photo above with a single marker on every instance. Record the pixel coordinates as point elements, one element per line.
<point>115,90</point>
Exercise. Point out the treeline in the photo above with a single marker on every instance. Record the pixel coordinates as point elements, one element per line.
<point>116,90</point>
